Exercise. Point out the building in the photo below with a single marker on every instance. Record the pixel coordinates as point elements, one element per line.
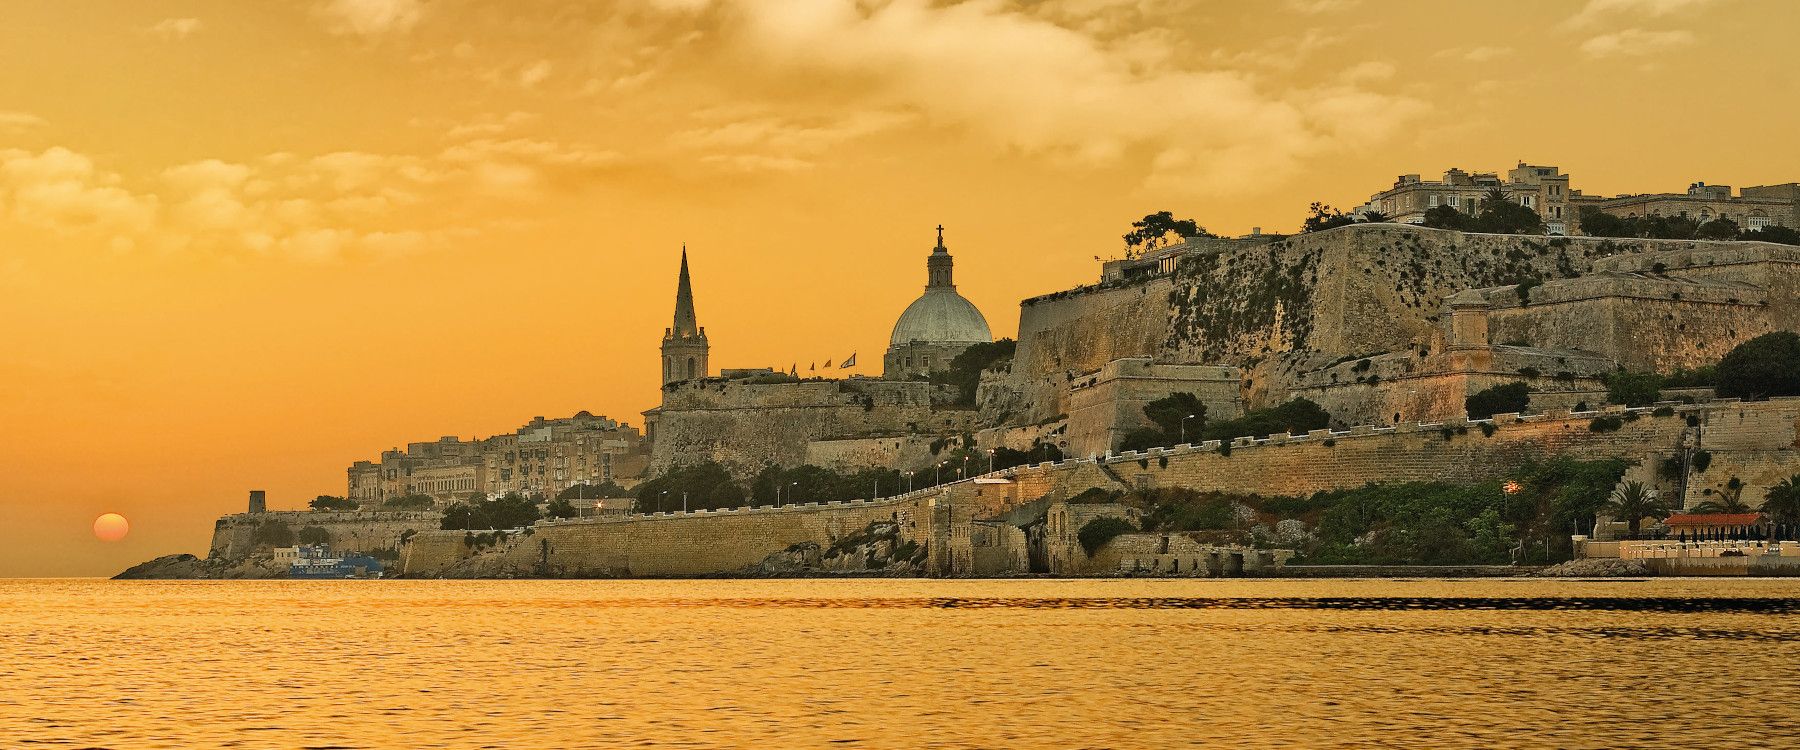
<point>543,457</point>
<point>937,326</point>
<point>1546,190</point>
<point>684,347</point>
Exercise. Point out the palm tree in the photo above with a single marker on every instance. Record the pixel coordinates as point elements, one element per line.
<point>1731,500</point>
<point>1634,503</point>
<point>1782,504</point>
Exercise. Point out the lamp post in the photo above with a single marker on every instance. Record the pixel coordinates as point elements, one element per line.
<point>1184,426</point>
<point>684,502</point>
<point>659,501</point>
<point>990,460</point>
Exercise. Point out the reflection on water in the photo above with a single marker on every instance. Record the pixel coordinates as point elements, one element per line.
<point>878,663</point>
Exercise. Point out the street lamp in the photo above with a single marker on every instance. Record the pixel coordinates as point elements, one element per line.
<point>659,501</point>
<point>684,502</point>
<point>990,460</point>
<point>1184,426</point>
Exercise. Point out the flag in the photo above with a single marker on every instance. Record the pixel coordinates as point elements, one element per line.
<point>828,364</point>
<point>813,366</point>
<point>794,369</point>
<point>849,361</point>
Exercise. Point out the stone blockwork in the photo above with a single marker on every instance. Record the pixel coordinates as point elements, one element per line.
<point>359,531</point>
<point>1106,405</point>
<point>746,425</point>
<point>1285,308</point>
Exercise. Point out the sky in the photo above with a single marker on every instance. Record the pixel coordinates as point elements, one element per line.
<point>245,244</point>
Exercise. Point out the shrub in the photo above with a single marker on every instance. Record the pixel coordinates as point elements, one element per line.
<point>1329,442</point>
<point>1298,415</point>
<point>1225,448</point>
<point>1633,388</point>
<point>1702,459</point>
<point>1488,429</point>
<point>272,532</point>
<point>1768,365</point>
<point>1096,533</point>
<point>1606,424</point>
<point>314,535</point>
<point>330,502</point>
<point>410,502</point>
<point>1500,399</point>
<point>1663,411</point>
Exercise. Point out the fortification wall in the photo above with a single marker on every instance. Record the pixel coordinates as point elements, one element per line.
<point>354,531</point>
<point>903,452</point>
<point>673,544</point>
<point>1642,324</point>
<point>1757,444</point>
<point>1290,306</point>
<point>747,425</point>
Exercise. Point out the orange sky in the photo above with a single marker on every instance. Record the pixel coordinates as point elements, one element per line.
<point>243,244</point>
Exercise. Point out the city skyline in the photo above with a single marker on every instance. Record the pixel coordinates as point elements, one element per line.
<point>221,281</point>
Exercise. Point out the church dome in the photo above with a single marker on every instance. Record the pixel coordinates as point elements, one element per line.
<point>941,316</point>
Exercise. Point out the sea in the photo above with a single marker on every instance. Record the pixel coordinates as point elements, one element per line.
<point>887,663</point>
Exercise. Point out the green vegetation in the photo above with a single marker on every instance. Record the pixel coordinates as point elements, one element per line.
<point>332,502</point>
<point>1705,376</point>
<point>1497,214</point>
<point>1500,399</point>
<point>1633,503</point>
<point>1702,459</point>
<point>705,485</point>
<point>816,484</point>
<point>964,372</point>
<point>1729,500</point>
<point>1606,424</point>
<point>1768,365</point>
<point>1096,533</point>
<point>1297,416</point>
<point>592,491</point>
<point>1177,416</point>
<point>559,508</point>
<point>314,535</point>
<point>509,512</point>
<point>1633,388</point>
<point>1403,523</point>
<point>1152,231</point>
<point>1597,223</point>
<point>1782,503</point>
<point>409,502</point>
<point>272,532</point>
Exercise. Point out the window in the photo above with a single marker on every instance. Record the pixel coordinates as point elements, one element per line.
<point>1757,221</point>
<point>1556,227</point>
<point>1434,200</point>
<point>1454,201</point>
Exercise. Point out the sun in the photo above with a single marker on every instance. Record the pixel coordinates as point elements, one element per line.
<point>111,527</point>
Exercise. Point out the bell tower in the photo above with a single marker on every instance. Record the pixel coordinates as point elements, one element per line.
<point>684,346</point>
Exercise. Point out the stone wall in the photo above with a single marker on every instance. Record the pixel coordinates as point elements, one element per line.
<point>1643,323</point>
<point>354,531</point>
<point>672,544</point>
<point>1106,405</point>
<point>748,425</point>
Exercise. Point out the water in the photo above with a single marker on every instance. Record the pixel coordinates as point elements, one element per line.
<point>899,664</point>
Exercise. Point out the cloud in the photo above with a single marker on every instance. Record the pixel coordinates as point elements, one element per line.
<point>1597,11</point>
<point>1635,42</point>
<point>19,122</point>
<point>175,28</point>
<point>776,143</point>
<point>535,73</point>
<point>1038,87</point>
<point>1475,54</point>
<point>370,17</point>
<point>1315,7</point>
<point>62,190</point>
<point>1368,72</point>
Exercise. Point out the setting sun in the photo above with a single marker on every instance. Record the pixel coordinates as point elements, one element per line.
<point>111,527</point>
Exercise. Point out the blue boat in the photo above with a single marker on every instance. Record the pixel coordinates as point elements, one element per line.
<point>316,561</point>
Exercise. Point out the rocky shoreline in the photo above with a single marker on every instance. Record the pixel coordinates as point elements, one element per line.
<point>188,567</point>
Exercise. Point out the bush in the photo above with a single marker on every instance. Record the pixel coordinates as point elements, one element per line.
<point>1144,438</point>
<point>559,508</point>
<point>314,535</point>
<point>1633,388</point>
<point>331,502</point>
<point>1095,496</point>
<point>1298,415</point>
<point>1500,399</point>
<point>964,372</point>
<point>1702,459</point>
<point>1768,365</point>
<point>272,532</point>
<point>591,491</point>
<point>1488,429</point>
<point>410,502</point>
<point>509,512</point>
<point>1606,424</point>
<point>1096,533</point>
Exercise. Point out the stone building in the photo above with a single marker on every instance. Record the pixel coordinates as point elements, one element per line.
<point>684,346</point>
<point>543,457</point>
<point>1107,404</point>
<point>937,326</point>
<point>1545,189</point>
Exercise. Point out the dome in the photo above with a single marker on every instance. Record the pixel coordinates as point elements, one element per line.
<point>940,315</point>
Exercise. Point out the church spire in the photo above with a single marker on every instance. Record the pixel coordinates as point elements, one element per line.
<point>685,323</point>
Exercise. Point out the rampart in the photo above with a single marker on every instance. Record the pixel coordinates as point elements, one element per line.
<point>1285,307</point>
<point>351,531</point>
<point>745,425</point>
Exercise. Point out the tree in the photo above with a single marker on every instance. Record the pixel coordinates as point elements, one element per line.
<point>1096,533</point>
<point>1633,388</point>
<point>1446,217</point>
<point>1598,223</point>
<point>964,372</point>
<point>1768,365</point>
<point>1322,217</point>
<point>1782,503</point>
<point>1372,216</point>
<point>591,491</point>
<point>1501,214</point>
<point>1172,411</point>
<point>272,533</point>
<point>559,508</point>
<point>697,481</point>
<point>1729,500</point>
<point>1772,233</point>
<point>1633,503</point>
<point>332,502</point>
<point>1499,399</point>
<point>410,502</point>
<point>1152,231</point>
<point>1298,415</point>
<point>1721,228</point>
<point>509,512</point>
<point>314,535</point>
<point>1144,438</point>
